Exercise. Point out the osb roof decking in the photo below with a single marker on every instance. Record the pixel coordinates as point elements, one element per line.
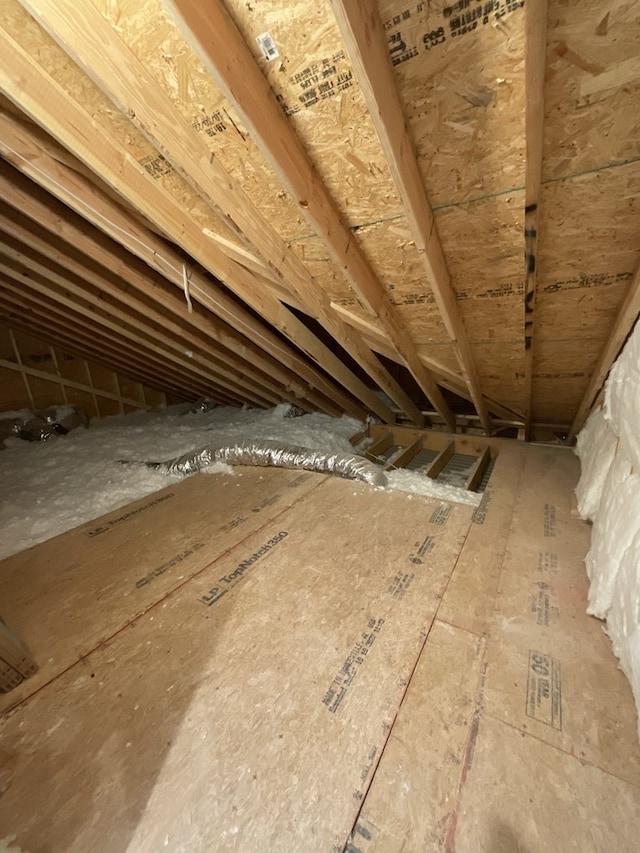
<point>452,185</point>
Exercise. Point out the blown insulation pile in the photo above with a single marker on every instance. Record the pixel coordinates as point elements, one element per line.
<point>609,495</point>
<point>50,487</point>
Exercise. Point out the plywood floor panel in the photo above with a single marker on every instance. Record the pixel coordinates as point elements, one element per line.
<point>363,671</point>
<point>74,591</point>
<point>522,736</point>
<point>469,601</point>
<point>413,796</point>
<point>534,799</point>
<point>250,720</point>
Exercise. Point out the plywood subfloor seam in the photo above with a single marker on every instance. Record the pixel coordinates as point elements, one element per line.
<point>450,624</point>
<point>585,762</point>
<point>132,621</point>
<point>469,751</point>
<point>398,709</point>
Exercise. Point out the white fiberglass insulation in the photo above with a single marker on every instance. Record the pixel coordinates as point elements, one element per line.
<point>50,487</point>
<point>612,533</point>
<point>609,494</point>
<point>622,398</point>
<point>596,448</point>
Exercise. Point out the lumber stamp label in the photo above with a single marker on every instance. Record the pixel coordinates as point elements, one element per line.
<point>544,690</point>
<point>480,514</point>
<point>347,673</point>
<point>227,582</point>
<point>422,549</point>
<point>109,524</point>
<point>169,564</point>
<point>550,521</point>
<point>547,563</point>
<point>441,515</point>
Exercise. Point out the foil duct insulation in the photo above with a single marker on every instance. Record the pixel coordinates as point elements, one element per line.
<point>278,455</point>
<point>42,424</point>
<point>200,406</point>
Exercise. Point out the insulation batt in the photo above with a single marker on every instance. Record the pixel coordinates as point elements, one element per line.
<point>623,619</point>
<point>622,397</point>
<point>596,448</point>
<point>609,493</point>
<point>615,525</point>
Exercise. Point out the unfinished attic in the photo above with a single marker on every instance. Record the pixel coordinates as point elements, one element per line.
<point>319,415</point>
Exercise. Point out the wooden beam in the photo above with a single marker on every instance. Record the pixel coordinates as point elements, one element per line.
<point>441,460</point>
<point>535,58</point>
<point>25,379</point>
<point>378,447</point>
<point>121,292</point>
<point>446,377</point>
<point>477,472</point>
<point>63,328</point>
<point>34,202</point>
<point>219,44</point>
<point>54,360</point>
<point>71,342</point>
<point>364,36</point>
<point>47,212</point>
<point>405,455</point>
<point>622,328</point>
<point>92,43</point>
<point>64,383</point>
<point>42,162</point>
<point>29,271</point>
<point>24,281</point>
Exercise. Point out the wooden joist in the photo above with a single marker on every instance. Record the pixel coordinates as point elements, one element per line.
<point>441,460</point>
<point>405,455</point>
<point>382,444</point>
<point>36,317</point>
<point>446,377</point>
<point>30,272</point>
<point>90,41</point>
<point>221,47</point>
<point>140,315</point>
<point>47,102</point>
<point>535,55</point>
<point>222,344</point>
<point>477,471</point>
<point>43,164</point>
<point>73,330</point>
<point>79,237</point>
<point>366,42</point>
<point>66,383</point>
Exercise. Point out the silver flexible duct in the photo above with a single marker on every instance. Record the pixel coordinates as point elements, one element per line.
<point>279,455</point>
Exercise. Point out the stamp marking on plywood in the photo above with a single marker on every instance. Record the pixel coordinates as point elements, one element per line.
<point>347,673</point>
<point>544,690</point>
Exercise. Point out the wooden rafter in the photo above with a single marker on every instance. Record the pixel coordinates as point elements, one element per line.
<point>29,271</point>
<point>29,155</point>
<point>624,323</point>
<point>364,36</point>
<point>74,335</point>
<point>447,378</point>
<point>220,45</point>
<point>220,341</point>
<point>65,383</point>
<point>76,298</point>
<point>535,55</point>
<point>91,42</point>
<point>112,293</point>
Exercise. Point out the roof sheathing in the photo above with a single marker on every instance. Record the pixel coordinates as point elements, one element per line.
<point>464,98</point>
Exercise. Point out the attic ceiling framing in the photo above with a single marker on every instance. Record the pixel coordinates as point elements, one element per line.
<point>382,169</point>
